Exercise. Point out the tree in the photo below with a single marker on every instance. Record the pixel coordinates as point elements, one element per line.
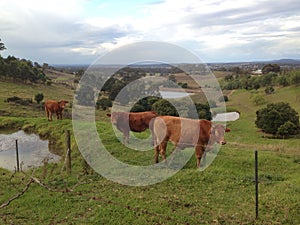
<point>223,98</point>
<point>269,90</point>
<point>39,97</point>
<point>271,118</point>
<point>203,111</point>
<point>164,107</point>
<point>144,104</point>
<point>271,68</point>
<point>2,46</point>
<point>115,89</point>
<point>104,103</point>
<point>258,99</point>
<point>287,129</point>
<point>295,78</point>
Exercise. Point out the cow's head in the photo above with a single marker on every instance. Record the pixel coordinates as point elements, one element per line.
<point>217,134</point>
<point>113,117</point>
<point>62,104</point>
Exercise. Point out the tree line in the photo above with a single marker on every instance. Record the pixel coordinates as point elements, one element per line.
<point>20,70</point>
<point>271,76</point>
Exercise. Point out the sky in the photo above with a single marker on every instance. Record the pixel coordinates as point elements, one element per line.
<point>81,31</point>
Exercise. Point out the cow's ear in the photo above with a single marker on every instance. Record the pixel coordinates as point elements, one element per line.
<point>227,130</point>
<point>108,114</point>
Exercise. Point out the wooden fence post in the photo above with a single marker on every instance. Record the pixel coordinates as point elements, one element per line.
<point>68,153</point>
<point>256,184</point>
<point>17,156</point>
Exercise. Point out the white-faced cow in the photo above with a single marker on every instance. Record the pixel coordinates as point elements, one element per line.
<point>183,132</point>
<point>131,121</point>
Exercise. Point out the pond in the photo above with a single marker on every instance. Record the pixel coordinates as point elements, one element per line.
<point>32,150</point>
<point>173,94</point>
<point>226,117</point>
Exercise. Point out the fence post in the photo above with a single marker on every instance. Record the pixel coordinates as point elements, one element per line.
<point>256,184</point>
<point>17,156</point>
<point>68,153</point>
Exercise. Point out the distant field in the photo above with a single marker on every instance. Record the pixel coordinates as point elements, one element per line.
<point>8,89</point>
<point>222,194</point>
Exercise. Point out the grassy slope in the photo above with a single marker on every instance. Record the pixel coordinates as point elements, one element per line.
<point>222,194</point>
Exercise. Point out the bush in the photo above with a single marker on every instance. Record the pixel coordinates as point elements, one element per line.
<point>269,90</point>
<point>39,97</point>
<point>223,98</point>
<point>13,99</point>
<point>258,99</point>
<point>271,118</point>
<point>164,107</point>
<point>104,103</point>
<point>137,108</point>
<point>287,129</point>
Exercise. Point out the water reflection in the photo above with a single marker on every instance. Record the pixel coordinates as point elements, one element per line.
<point>32,150</point>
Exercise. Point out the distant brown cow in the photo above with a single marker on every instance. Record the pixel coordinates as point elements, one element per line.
<point>57,107</point>
<point>183,132</point>
<point>136,122</point>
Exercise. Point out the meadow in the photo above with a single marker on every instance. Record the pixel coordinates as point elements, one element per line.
<point>224,193</point>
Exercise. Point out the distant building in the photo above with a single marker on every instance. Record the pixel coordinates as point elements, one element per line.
<point>257,72</point>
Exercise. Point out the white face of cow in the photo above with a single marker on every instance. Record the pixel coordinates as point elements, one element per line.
<point>217,134</point>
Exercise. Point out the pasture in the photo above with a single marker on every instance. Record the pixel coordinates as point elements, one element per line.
<point>222,194</point>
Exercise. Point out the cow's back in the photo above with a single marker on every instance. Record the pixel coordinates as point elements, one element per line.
<point>51,105</point>
<point>181,131</point>
<point>140,121</point>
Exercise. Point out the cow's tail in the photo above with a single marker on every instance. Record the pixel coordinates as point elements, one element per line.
<point>151,128</point>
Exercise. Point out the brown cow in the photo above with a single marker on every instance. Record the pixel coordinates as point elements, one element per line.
<point>57,107</point>
<point>131,121</point>
<point>183,132</point>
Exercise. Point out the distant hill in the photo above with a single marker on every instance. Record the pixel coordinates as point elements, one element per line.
<point>286,61</point>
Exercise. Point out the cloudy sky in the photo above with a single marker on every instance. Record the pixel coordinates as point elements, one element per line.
<point>80,31</point>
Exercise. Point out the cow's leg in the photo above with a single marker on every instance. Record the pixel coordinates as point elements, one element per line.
<point>125,137</point>
<point>50,115</point>
<point>163,147</point>
<point>47,114</point>
<point>198,152</point>
<point>156,149</point>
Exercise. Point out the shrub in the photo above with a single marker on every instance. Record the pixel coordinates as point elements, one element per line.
<point>39,97</point>
<point>271,118</point>
<point>287,129</point>
<point>164,107</point>
<point>104,103</point>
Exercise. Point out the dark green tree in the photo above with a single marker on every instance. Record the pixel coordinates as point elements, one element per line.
<point>2,46</point>
<point>295,78</point>
<point>104,103</point>
<point>269,90</point>
<point>144,104</point>
<point>39,97</point>
<point>164,107</point>
<point>269,119</point>
<point>287,129</point>
<point>271,68</point>
<point>115,89</point>
<point>203,111</point>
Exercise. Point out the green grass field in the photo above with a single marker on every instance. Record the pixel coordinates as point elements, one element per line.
<point>224,193</point>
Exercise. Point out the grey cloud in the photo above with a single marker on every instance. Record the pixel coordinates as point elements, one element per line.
<point>257,12</point>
